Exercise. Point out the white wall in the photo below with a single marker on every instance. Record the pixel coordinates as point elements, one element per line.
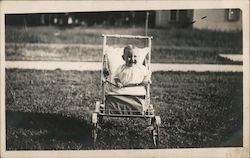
<point>215,20</point>
<point>162,18</point>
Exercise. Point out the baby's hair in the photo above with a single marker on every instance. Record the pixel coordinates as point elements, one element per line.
<point>128,48</point>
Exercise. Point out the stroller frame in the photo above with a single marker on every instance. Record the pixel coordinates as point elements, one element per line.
<point>100,112</point>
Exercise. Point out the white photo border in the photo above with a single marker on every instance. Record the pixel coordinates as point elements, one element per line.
<point>29,6</point>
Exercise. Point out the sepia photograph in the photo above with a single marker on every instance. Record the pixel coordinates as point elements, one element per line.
<point>146,79</point>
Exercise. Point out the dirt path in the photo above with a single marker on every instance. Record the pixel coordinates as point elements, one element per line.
<point>95,66</point>
<point>99,46</point>
<point>233,57</point>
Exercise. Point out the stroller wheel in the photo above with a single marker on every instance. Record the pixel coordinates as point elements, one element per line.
<point>156,121</point>
<point>94,127</point>
<point>94,133</point>
<point>156,138</point>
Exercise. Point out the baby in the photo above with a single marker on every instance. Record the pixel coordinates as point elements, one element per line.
<point>131,73</point>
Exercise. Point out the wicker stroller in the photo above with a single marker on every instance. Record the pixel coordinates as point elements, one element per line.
<point>132,100</point>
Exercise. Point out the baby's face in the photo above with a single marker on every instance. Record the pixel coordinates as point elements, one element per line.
<point>130,58</point>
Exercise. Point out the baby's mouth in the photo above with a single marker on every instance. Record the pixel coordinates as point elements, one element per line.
<point>133,62</point>
<point>130,63</point>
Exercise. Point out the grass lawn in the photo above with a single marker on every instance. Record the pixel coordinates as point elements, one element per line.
<point>51,110</point>
<point>85,44</point>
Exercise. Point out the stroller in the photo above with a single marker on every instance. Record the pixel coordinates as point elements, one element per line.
<point>131,101</point>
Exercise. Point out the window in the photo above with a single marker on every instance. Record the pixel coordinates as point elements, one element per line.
<point>173,15</point>
<point>232,14</point>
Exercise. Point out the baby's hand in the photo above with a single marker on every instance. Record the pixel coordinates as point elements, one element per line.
<point>146,82</point>
<point>119,84</point>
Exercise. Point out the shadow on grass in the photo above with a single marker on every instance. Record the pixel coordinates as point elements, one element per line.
<point>29,131</point>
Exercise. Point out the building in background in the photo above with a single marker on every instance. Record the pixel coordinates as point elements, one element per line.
<point>174,18</point>
<point>210,19</point>
<point>218,19</point>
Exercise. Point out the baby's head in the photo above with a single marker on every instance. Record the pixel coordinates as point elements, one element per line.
<point>129,55</point>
